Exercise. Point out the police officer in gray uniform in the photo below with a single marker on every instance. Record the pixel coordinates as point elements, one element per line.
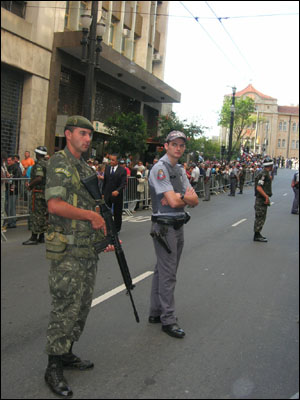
<point>170,192</point>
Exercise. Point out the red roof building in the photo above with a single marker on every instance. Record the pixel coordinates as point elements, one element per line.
<point>276,131</point>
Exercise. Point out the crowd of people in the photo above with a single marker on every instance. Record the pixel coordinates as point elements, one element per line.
<point>227,176</point>
<point>11,169</point>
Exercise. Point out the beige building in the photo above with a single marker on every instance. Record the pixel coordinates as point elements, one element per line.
<point>43,76</point>
<point>276,130</point>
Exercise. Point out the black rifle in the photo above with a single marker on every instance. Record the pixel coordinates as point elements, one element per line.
<point>91,184</point>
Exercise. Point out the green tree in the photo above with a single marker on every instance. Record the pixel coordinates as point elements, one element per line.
<point>128,133</point>
<point>243,117</point>
<point>170,122</point>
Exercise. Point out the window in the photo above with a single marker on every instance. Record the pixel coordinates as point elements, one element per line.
<point>111,34</point>
<point>123,45</point>
<point>283,143</point>
<point>293,144</point>
<point>267,126</point>
<point>280,126</point>
<point>16,7</point>
<point>284,126</point>
<point>70,8</point>
<point>67,14</point>
<point>297,144</point>
<point>279,142</point>
<point>294,127</point>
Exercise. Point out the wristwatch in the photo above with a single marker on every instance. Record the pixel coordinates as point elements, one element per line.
<point>182,197</point>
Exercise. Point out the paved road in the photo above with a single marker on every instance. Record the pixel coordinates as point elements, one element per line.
<point>237,300</point>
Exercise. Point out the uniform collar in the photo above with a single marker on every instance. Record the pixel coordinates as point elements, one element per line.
<point>69,154</point>
<point>166,159</point>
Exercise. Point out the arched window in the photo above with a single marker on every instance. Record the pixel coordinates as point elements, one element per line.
<point>294,127</point>
<point>279,142</point>
<point>280,126</point>
<point>284,126</point>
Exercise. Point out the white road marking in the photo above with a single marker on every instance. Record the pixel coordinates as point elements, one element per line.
<point>239,222</point>
<point>119,289</point>
<point>285,194</point>
<point>137,219</point>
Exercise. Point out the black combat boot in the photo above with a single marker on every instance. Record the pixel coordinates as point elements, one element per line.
<point>259,238</point>
<point>41,238</point>
<point>55,379</point>
<point>70,361</point>
<point>32,240</point>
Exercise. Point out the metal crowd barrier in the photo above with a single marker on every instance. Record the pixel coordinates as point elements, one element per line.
<point>219,183</point>
<point>17,199</point>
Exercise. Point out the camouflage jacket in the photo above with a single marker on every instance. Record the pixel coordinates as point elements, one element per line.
<point>39,169</point>
<point>264,180</point>
<point>64,173</point>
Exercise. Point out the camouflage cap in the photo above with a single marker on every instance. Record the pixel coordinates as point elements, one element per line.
<point>175,135</point>
<point>80,122</point>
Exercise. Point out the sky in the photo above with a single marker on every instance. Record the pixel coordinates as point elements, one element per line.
<point>205,59</point>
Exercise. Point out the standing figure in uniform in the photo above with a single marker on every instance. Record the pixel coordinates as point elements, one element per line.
<point>207,177</point>
<point>295,187</point>
<point>233,179</point>
<point>39,206</point>
<point>170,192</point>
<point>241,177</point>
<point>74,226</point>
<point>263,192</point>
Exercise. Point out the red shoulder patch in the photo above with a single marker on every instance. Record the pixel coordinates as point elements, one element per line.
<point>160,174</point>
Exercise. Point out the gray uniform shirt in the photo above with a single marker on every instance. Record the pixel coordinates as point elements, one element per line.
<point>164,178</point>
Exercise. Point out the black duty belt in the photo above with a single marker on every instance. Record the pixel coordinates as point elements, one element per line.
<point>176,222</point>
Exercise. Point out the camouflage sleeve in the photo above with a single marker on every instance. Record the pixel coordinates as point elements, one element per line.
<point>261,179</point>
<point>58,179</point>
<point>39,171</point>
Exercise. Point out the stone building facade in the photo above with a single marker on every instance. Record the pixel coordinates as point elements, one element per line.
<point>276,131</point>
<point>43,77</point>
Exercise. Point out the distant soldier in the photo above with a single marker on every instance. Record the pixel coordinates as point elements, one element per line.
<point>263,192</point>
<point>39,207</point>
<point>295,187</point>
<point>207,178</point>
<point>233,179</point>
<point>241,177</point>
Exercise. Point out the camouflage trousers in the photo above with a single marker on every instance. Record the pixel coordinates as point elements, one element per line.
<point>260,214</point>
<point>71,283</point>
<point>38,217</point>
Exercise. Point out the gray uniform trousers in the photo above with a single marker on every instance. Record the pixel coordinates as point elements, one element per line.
<point>164,278</point>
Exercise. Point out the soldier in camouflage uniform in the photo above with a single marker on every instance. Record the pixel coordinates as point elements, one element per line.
<point>38,217</point>
<point>241,178</point>
<point>74,225</point>
<point>263,192</point>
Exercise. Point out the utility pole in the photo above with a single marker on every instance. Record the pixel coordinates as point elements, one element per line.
<point>90,71</point>
<point>231,124</point>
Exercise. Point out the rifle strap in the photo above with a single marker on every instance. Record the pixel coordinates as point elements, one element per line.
<point>76,180</point>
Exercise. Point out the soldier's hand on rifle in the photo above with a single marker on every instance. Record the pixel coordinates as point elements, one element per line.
<point>98,223</point>
<point>111,247</point>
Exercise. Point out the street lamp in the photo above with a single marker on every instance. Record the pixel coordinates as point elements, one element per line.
<point>232,109</point>
<point>92,32</point>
